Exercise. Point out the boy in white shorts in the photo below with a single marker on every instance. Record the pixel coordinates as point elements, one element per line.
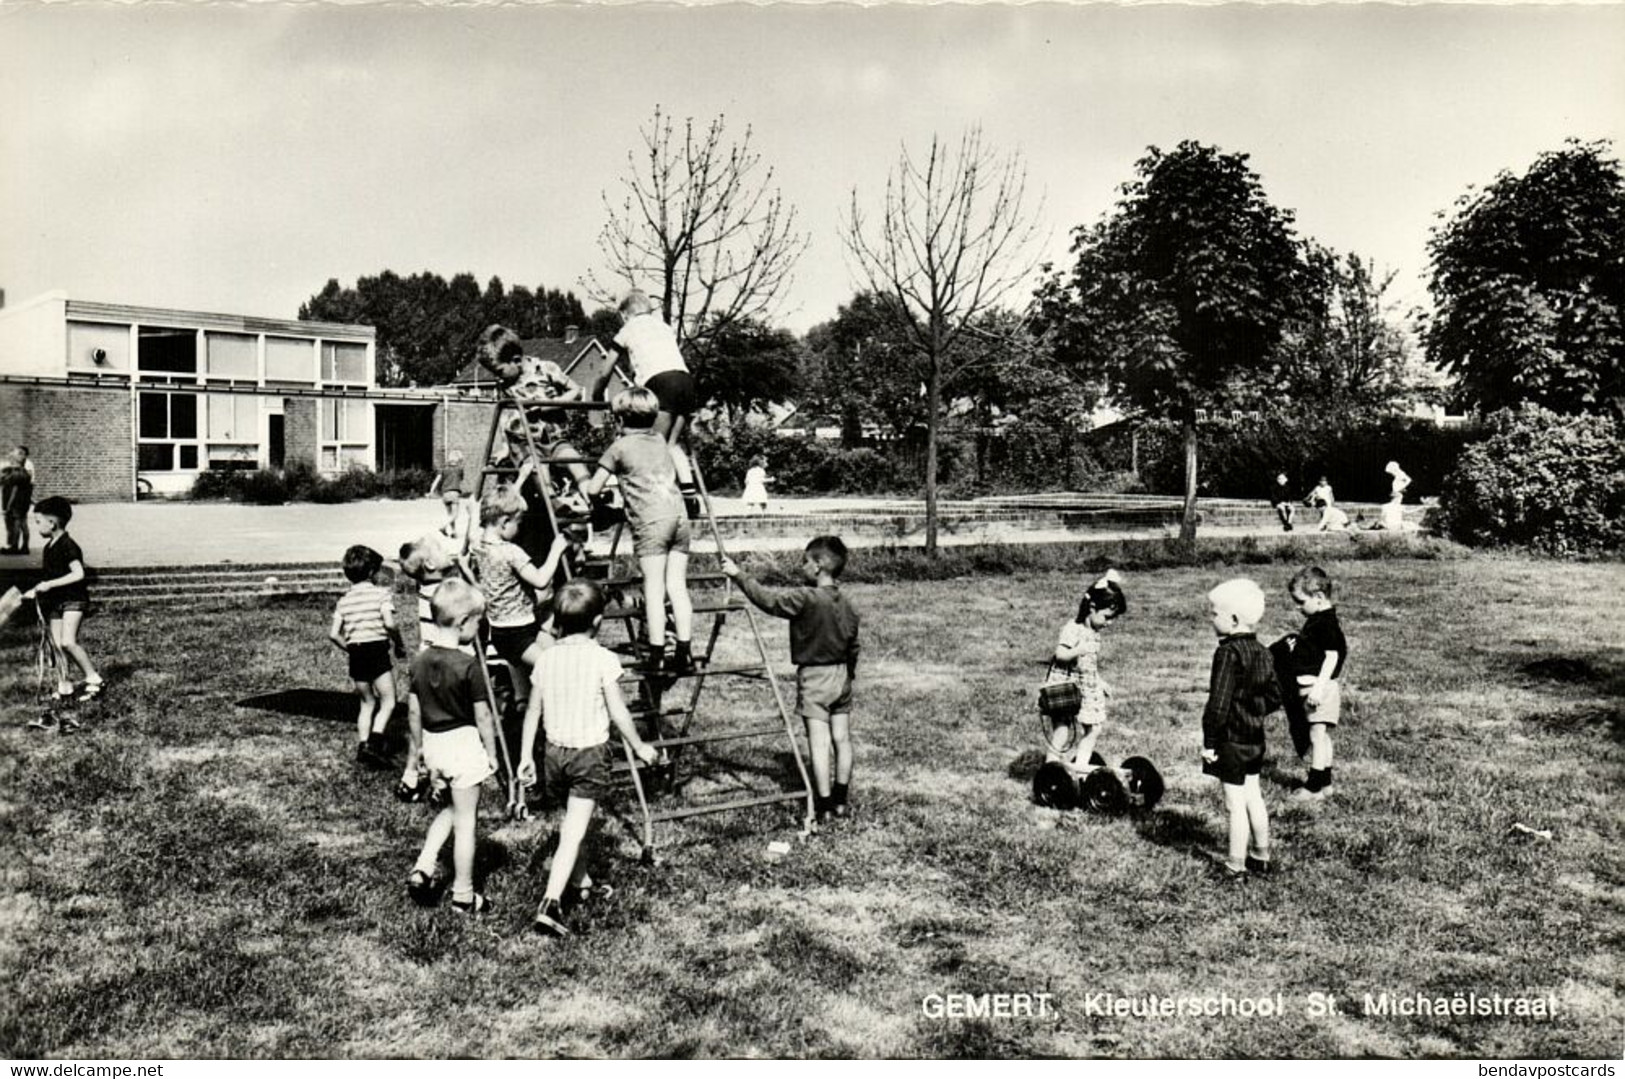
<point>452,730</point>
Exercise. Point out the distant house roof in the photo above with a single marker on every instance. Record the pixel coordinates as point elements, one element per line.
<point>582,358</point>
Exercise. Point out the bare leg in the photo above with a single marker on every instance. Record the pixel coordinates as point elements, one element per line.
<point>1258,820</point>
<point>384,686</point>
<point>1086,745</point>
<point>1235,808</point>
<point>671,427</point>
<point>465,804</point>
<point>654,598</point>
<point>682,607</point>
<point>363,719</point>
<point>572,833</point>
<point>69,643</point>
<point>819,744</point>
<point>434,841</point>
<point>1320,745</point>
<point>840,730</point>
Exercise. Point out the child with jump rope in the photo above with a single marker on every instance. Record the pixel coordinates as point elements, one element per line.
<point>62,599</point>
<point>1073,696</point>
<point>364,629</point>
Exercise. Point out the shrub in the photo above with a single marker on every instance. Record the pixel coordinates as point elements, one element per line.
<point>1541,480</point>
<point>300,482</point>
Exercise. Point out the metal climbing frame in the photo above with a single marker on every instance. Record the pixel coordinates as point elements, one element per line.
<point>671,731</point>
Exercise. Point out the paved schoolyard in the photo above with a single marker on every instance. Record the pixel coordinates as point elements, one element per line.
<point>162,533</point>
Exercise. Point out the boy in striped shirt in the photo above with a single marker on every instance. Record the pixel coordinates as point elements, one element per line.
<point>576,689</point>
<point>364,627</point>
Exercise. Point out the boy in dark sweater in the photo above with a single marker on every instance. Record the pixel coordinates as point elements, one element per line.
<point>1242,690</point>
<point>824,648</point>
<point>1319,651</point>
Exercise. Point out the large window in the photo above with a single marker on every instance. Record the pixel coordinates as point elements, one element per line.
<point>231,356</point>
<point>346,428</point>
<point>288,359</point>
<point>166,431</point>
<point>344,361</point>
<point>167,351</point>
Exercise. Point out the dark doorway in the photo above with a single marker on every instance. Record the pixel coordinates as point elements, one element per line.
<point>405,437</point>
<point>277,449</point>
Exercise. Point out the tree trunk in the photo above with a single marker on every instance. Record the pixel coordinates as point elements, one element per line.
<point>933,398</point>
<point>1187,523</point>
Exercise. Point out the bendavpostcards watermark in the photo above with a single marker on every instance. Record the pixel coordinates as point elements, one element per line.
<point>1463,1004</point>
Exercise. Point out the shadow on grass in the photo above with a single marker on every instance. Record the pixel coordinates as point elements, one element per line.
<point>327,704</point>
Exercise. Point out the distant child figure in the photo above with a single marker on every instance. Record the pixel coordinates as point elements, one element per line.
<point>1393,511</point>
<point>1314,700</point>
<point>503,571</point>
<point>364,629</point>
<point>1242,690</point>
<point>650,346</point>
<point>578,695</point>
<point>654,508</point>
<point>1282,500</point>
<point>16,499</point>
<point>824,648</point>
<point>63,599</point>
<point>452,734</point>
<point>756,481</point>
<point>453,489</point>
<point>1077,660</point>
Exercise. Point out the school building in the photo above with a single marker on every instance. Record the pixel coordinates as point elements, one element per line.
<point>117,402</point>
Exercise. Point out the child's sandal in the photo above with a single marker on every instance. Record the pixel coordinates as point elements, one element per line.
<point>91,691</point>
<point>477,905</point>
<point>420,886</point>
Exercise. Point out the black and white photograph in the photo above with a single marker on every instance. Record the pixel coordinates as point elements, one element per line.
<point>908,531</point>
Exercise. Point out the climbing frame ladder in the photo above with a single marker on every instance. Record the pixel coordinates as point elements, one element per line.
<point>670,730</point>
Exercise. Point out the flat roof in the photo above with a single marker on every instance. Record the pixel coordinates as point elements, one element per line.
<point>208,320</point>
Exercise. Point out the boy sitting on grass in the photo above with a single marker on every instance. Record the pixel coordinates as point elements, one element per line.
<point>364,629</point>
<point>1241,691</point>
<point>654,509</point>
<point>824,648</point>
<point>452,733</point>
<point>577,693</point>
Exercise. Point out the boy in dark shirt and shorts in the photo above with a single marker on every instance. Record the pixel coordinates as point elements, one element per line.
<point>824,648</point>
<point>1242,690</point>
<point>63,598</point>
<point>453,734</point>
<point>1313,697</point>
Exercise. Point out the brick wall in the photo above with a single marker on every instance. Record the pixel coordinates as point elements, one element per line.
<point>299,430</point>
<point>462,425</point>
<point>79,439</point>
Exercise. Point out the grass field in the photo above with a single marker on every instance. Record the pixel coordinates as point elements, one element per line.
<point>192,878</point>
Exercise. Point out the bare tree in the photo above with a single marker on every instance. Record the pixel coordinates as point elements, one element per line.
<point>953,237</point>
<point>698,221</point>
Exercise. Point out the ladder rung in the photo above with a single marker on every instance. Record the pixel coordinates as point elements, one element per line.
<point>728,736</point>
<point>724,807</point>
<point>752,669</point>
<point>622,582</point>
<point>615,613</point>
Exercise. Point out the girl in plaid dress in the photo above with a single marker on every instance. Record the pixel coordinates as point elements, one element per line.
<point>1077,660</point>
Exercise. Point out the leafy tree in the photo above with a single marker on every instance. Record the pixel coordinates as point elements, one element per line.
<point>859,367</point>
<point>1528,284</point>
<point>951,240</point>
<point>1344,352</point>
<point>700,226</point>
<point>745,365</point>
<point>426,325</point>
<point>1178,299</point>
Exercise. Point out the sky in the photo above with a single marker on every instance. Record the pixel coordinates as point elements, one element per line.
<point>234,158</point>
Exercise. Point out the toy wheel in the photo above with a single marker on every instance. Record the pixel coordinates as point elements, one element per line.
<point>1103,792</point>
<point>1145,785</point>
<point>1054,786</point>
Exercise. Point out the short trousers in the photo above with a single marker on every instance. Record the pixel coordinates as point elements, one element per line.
<point>1236,762</point>
<point>823,691</point>
<point>651,538</point>
<point>674,390</point>
<point>576,773</point>
<point>54,609</point>
<point>369,660</point>
<point>1331,705</point>
<point>457,756</point>
<point>512,642</point>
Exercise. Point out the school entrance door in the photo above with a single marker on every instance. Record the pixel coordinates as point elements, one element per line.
<point>405,437</point>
